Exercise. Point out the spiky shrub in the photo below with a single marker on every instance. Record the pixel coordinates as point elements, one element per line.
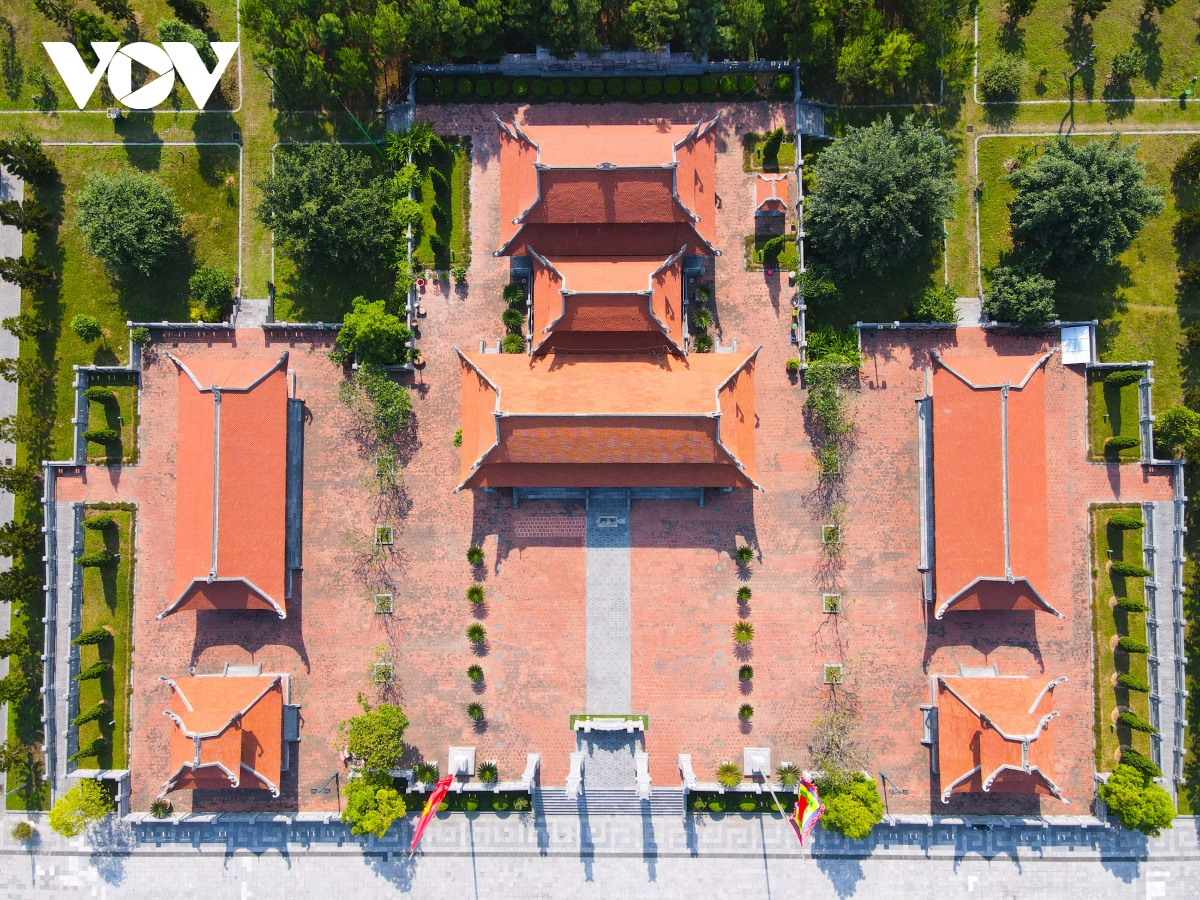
<point>475,555</point>
<point>475,673</point>
<point>476,633</point>
<point>746,673</point>
<point>513,319</point>
<point>743,632</point>
<point>521,804</point>
<point>788,775</point>
<point>514,294</point>
<point>744,594</point>
<point>729,774</point>
<point>92,636</point>
<point>702,343</point>
<point>702,318</point>
<point>475,594</point>
<point>160,809</point>
<point>793,365</point>
<point>513,343</point>
<point>489,773</point>
<point>1133,606</point>
<point>100,522</point>
<point>744,555</point>
<point>475,711</point>
<point>745,712</point>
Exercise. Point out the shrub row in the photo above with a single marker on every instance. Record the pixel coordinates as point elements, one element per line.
<point>524,90</point>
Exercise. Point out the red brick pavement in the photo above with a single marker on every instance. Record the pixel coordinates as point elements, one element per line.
<point>684,580</point>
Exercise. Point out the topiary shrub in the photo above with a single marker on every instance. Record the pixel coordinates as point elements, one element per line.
<point>708,85</point>
<point>614,87</point>
<point>93,748</point>
<point>633,86</point>
<point>672,86</point>
<point>91,637</point>
<point>654,87</point>
<point>744,555</point>
<point>513,343</point>
<point>728,84</point>
<point>95,559</point>
<point>1130,757</point>
<point>425,88</point>
<point>595,87</point>
<point>743,632</point>
<point>475,673</point>
<point>99,394</point>
<point>1137,801</point>
<point>95,670</point>
<point>745,712</point>
<point>1134,606</point>
<point>558,87</point>
<point>87,328</point>
<point>520,87</point>
<point>792,365</point>
<point>746,84</point>
<point>22,831</point>
<point>788,775</point>
<point>1000,80</point>
<point>1130,570</point>
<point>1125,522</point>
<point>500,87</point>
<point>483,88</point>
<point>1123,378</point>
<point>538,88</point>
<point>1119,442</point>
<point>1129,644</point>
<point>690,86</point>
<point>463,87</point>
<point>97,712</point>
<point>1134,722</point>
<point>852,804</point>
<point>782,84</point>
<point>100,435</point>
<point>141,336</point>
<point>1133,683</point>
<point>446,86</point>
<point>100,522</point>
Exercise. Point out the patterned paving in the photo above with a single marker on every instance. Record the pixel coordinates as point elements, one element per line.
<point>534,527</point>
<point>609,673</point>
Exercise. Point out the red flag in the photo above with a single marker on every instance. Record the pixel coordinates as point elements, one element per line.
<point>431,805</point>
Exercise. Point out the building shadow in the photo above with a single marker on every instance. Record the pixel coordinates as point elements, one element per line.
<point>985,632</point>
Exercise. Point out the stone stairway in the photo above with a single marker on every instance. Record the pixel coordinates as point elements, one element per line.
<point>612,802</point>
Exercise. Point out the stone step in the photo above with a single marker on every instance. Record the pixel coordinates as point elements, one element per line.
<point>663,802</point>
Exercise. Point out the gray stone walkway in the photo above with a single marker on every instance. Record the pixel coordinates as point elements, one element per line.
<point>1159,543</point>
<point>609,762</point>
<point>68,616</point>
<point>598,856</point>
<point>609,666</point>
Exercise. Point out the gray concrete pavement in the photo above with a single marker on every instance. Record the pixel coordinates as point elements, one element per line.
<point>609,657</point>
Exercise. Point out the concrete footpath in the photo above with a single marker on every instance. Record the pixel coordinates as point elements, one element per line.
<point>535,856</point>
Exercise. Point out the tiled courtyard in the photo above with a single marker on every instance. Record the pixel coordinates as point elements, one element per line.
<point>684,670</point>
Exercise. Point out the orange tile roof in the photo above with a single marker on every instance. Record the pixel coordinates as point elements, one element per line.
<point>989,474</point>
<point>607,175</point>
<point>771,193</point>
<point>659,239</point>
<point>994,735</point>
<point>585,420</point>
<point>228,734</point>
<point>230,493</point>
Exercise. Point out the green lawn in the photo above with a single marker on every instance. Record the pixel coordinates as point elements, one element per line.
<point>30,80</point>
<point>121,415</point>
<point>752,158</point>
<point>1112,411</point>
<point>108,602</point>
<point>1140,306</point>
<point>1051,44</point>
<point>206,188</point>
<point>454,228</point>
<point>1109,621</point>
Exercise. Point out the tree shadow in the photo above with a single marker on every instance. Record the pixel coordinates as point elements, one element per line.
<point>1011,37</point>
<point>143,145</point>
<point>868,297</point>
<point>1078,42</point>
<point>217,162</point>
<point>11,67</point>
<point>1147,40</point>
<point>320,291</point>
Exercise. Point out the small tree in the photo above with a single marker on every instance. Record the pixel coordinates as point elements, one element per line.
<point>936,305</point>
<point>26,273</point>
<point>372,804</point>
<point>1137,802</point>
<point>87,328</point>
<point>882,194</point>
<point>86,802</point>
<point>95,559</point>
<point>1001,79</point>
<point>1019,296</point>
<point>852,804</point>
<point>172,30</point>
<point>13,688</point>
<point>130,220</point>
<point>1177,429</point>
<point>376,738</point>
<point>94,671</point>
<point>22,154</point>
<point>92,636</point>
<point>373,334</point>
<point>212,290</point>
<point>17,538</point>
<point>26,217</point>
<point>1079,206</point>
<point>20,480</point>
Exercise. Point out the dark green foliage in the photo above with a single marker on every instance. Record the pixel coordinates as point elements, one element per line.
<point>935,305</point>
<point>426,772</point>
<point>1018,9</point>
<point>141,336</point>
<point>373,334</point>
<point>23,480</point>
<point>213,290</point>
<point>514,294</point>
<point>92,748</point>
<point>745,712</point>
<point>1001,79</point>
<point>782,84</point>
<point>672,86</point>
<point>25,272</point>
<point>372,804</point>
<point>1121,442</point>
<point>1127,66</point>
<point>424,88</point>
<point>475,555</point>
<point>882,194</point>
<point>788,775</point>
<point>1125,522</point>
<point>22,154</point>
<point>595,87</point>
<point>829,342</point>
<point>746,84</point>
<point>654,87</point>
<point>16,641</point>
<point>101,435</point>
<point>160,809</point>
<point>27,217</point>
<point>96,559</point>
<point>475,711</point>
<point>489,772</point>
<point>702,343</point>
<point>746,673</point>
<point>95,714</point>
<point>475,673</point>
<point>852,804</point>
<point>728,84</point>
<point>771,145</point>
<point>483,88</point>
<point>513,319</point>
<point>130,220</point>
<point>614,87</point>
<point>95,670</point>
<point>691,86</point>
<point>476,633</point>
<point>1130,605</point>
<point>633,87</point>
<point>375,738</point>
<point>1123,377</point>
<point>744,593</point>
<point>1080,205</point>
<point>520,88</point>
<point>92,636</point>
<point>1130,757</point>
<point>1129,644</point>
<point>475,594</point>
<point>1136,723</point>
<point>1137,801</point>
<point>13,688</point>
<point>1129,570</point>
<point>1187,167</point>
<point>327,204</point>
<point>463,87</point>
<point>194,12</point>
<point>100,394</point>
<point>87,328</point>
<point>1019,296</point>
<point>513,343</point>
<point>18,538</point>
<point>387,405</point>
<point>1133,683</point>
<point>539,87</point>
<point>171,30</point>
<point>577,87</point>
<point>708,85</point>
<point>1177,429</point>
<point>99,522</point>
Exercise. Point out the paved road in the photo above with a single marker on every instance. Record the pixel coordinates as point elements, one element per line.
<point>610,856</point>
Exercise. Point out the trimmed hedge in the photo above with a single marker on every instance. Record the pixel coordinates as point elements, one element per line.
<point>728,84</point>
<point>615,87</point>
<point>100,522</point>
<point>425,87</point>
<point>500,87</point>
<point>690,86</point>
<point>463,87</point>
<point>783,84</point>
<point>708,85</point>
<point>97,712</point>
<point>672,86</point>
<point>1130,757</point>
<point>96,559</point>
<point>95,670</point>
<point>1132,645</point>
<point>595,87</point>
<point>1123,378</point>
<point>100,394</point>
<point>1125,523</point>
<point>1133,606</point>
<point>92,636</point>
<point>483,88</point>
<point>746,84</point>
<point>520,87</point>
<point>1121,442</point>
<point>1133,683</point>
<point>577,87</point>
<point>446,87</point>
<point>538,88</point>
<point>100,435</point>
<point>1136,723</point>
<point>654,87</point>
<point>633,87</point>
<point>1129,570</point>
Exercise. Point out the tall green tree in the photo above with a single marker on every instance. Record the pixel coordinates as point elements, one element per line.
<point>651,22</point>
<point>86,802</point>
<point>882,193</point>
<point>1080,205</point>
<point>129,220</point>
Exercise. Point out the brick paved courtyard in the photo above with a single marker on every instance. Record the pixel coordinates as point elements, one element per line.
<point>684,671</point>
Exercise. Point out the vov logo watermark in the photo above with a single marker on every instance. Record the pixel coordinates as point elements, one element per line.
<point>173,57</point>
